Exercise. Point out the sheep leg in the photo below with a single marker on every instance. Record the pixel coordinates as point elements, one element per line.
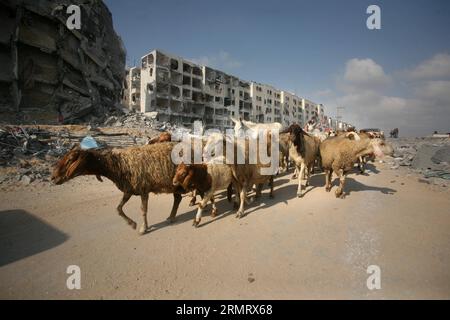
<point>125,198</point>
<point>236,188</point>
<point>144,208</point>
<point>243,196</point>
<point>295,175</point>
<point>176,202</point>
<point>328,174</point>
<point>193,199</point>
<point>308,172</point>
<point>361,164</point>
<point>214,209</point>
<point>258,190</point>
<point>340,190</point>
<point>271,187</point>
<point>300,176</point>
<point>209,195</point>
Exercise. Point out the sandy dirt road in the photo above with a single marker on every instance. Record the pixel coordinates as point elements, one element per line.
<point>285,248</point>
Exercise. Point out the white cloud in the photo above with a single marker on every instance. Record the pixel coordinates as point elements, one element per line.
<point>437,90</point>
<point>438,67</point>
<point>362,90</point>
<point>221,60</point>
<point>364,73</point>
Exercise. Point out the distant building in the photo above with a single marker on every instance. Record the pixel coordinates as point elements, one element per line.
<point>181,91</point>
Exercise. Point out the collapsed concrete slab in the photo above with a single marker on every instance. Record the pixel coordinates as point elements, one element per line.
<point>49,73</point>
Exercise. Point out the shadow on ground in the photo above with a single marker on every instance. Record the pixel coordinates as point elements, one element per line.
<point>23,235</point>
<point>282,193</point>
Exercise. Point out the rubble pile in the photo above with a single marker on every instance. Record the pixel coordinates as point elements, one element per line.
<point>55,74</point>
<point>26,153</point>
<point>429,157</point>
<point>134,119</point>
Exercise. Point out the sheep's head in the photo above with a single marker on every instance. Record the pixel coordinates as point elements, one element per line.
<point>296,136</point>
<point>72,164</point>
<point>381,147</point>
<point>183,175</point>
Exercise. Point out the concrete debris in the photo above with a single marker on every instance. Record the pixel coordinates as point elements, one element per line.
<point>429,157</point>
<point>53,75</point>
<point>28,152</point>
<point>442,155</point>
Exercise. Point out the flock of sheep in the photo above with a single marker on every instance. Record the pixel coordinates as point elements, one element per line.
<point>150,168</point>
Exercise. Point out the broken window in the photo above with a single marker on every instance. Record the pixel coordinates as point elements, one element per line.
<point>197,96</point>
<point>150,88</point>
<point>162,75</point>
<point>162,60</point>
<point>196,71</point>
<point>186,93</point>
<point>186,80</point>
<point>187,68</point>
<point>162,88</point>
<point>174,64</point>
<point>196,83</point>
<point>175,91</point>
<point>176,78</point>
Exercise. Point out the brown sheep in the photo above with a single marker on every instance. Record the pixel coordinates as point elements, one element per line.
<point>167,137</point>
<point>135,171</point>
<point>284,151</point>
<point>303,150</point>
<point>339,154</point>
<point>245,174</point>
<point>205,178</point>
<point>163,137</point>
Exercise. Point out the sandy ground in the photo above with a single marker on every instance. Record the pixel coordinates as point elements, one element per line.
<point>285,248</point>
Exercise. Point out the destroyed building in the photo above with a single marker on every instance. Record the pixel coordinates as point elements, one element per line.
<point>50,73</point>
<point>180,92</point>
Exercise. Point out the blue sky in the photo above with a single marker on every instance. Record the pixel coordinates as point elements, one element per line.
<point>313,48</point>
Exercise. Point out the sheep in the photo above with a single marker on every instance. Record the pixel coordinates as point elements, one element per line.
<point>339,154</point>
<point>135,171</point>
<point>242,126</point>
<point>245,174</point>
<point>163,137</point>
<point>167,137</point>
<point>303,150</point>
<point>284,151</point>
<point>206,178</point>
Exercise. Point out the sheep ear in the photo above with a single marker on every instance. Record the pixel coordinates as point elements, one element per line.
<point>351,136</point>
<point>234,120</point>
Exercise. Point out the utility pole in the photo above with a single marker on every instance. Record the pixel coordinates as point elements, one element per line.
<point>338,116</point>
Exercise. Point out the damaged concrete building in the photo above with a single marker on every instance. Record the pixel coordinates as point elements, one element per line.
<point>50,73</point>
<point>180,91</point>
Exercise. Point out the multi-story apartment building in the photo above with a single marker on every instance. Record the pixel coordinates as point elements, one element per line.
<point>182,92</point>
<point>172,86</point>
<point>292,110</point>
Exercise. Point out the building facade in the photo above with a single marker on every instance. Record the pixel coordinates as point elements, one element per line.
<point>181,92</point>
